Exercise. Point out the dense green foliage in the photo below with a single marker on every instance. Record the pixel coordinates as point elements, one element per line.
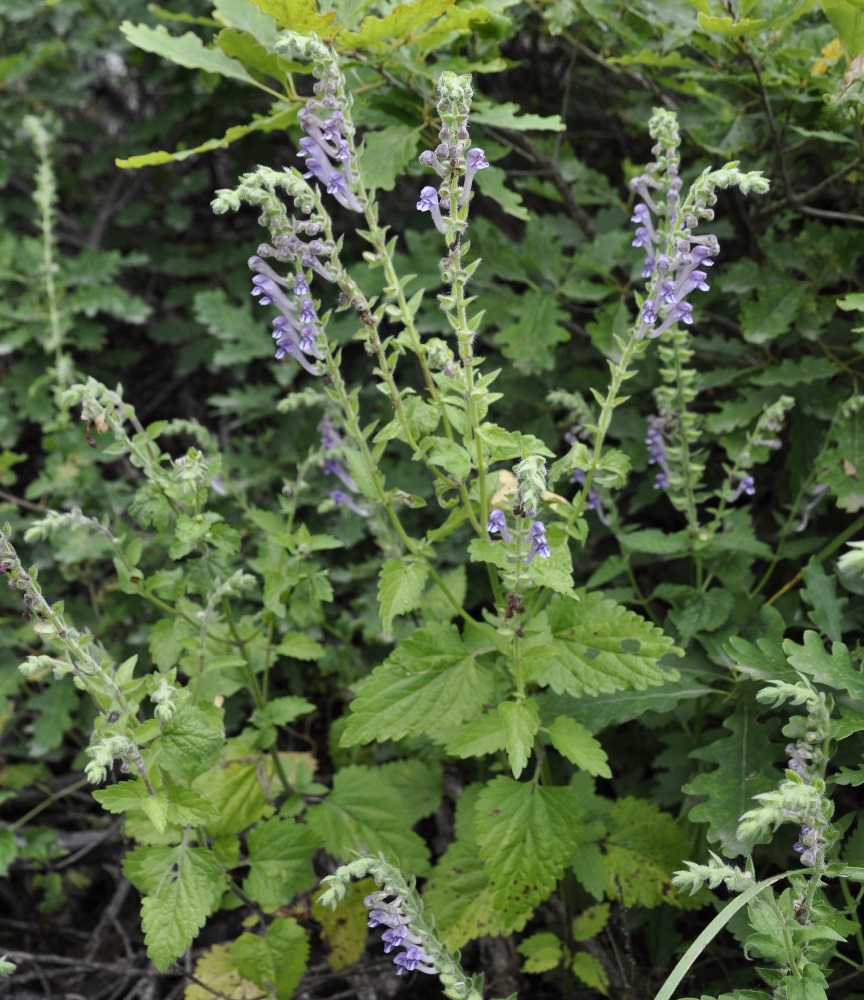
<point>543,742</point>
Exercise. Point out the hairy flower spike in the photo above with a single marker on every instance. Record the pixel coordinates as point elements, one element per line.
<point>531,483</point>
<point>328,147</point>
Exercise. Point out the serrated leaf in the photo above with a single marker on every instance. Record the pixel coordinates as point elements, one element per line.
<point>400,588</point>
<point>509,115</point>
<point>526,835</point>
<point>243,14</point>
<point>601,711</point>
<point>656,542</point>
<point>598,646</point>
<point>834,669</point>
<point>386,153</point>
<point>530,342</point>
<point>182,886</point>
<point>186,50</point>
<point>458,890</point>
<point>280,862</point>
<point>186,806</point>
<point>773,310</point>
<point>642,850</point>
<point>123,797</point>
<point>430,680</point>
<point>235,789</point>
<point>367,812</point>
<point>275,962</point>
<point>573,741</point>
<point>476,737</point>
<point>590,922</point>
<point>217,975</point>
<point>301,16</point>
<point>589,970</point>
<point>821,594</point>
<point>542,952</point>
<point>191,740</point>
<point>843,461</point>
<point>745,762</point>
<point>520,721</point>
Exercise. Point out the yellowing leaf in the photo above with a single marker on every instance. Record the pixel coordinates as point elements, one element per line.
<point>344,929</point>
<point>388,32</point>
<point>217,974</point>
<point>301,16</point>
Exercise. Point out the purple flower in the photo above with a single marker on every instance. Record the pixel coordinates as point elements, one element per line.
<point>539,545</point>
<point>642,238</point>
<point>497,524</point>
<point>323,142</point>
<point>649,315</point>
<point>394,937</point>
<point>414,959</point>
<point>330,437</point>
<point>429,203</point>
<point>593,502</point>
<point>657,452</point>
<point>474,161</point>
<point>342,499</point>
<point>332,467</point>
<point>667,292</point>
<point>746,484</point>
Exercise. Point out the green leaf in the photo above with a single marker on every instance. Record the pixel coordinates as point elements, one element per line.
<point>589,970</point>
<point>821,594</point>
<point>182,887</point>
<point>530,341</point>
<point>280,119</point>
<point>542,952</point>
<point>728,27</point>
<point>509,115</point>
<point>400,588</point>
<point>369,811</point>
<point>186,806</point>
<point>243,15</point>
<point>431,680</point>
<point>834,669</point>
<point>186,50</point>
<point>843,461</point>
<point>280,862</point>
<point>301,16</point>
<point>642,850</point>
<point>388,32</point>
<point>603,710</point>
<point>386,153</point>
<point>191,740</point>
<point>520,721</point>
<point>590,922</point>
<point>573,741</point>
<point>598,646</point>
<point>774,309</point>
<point>847,19</point>
<point>746,762</point>
<point>275,963</point>
<point>475,738</point>
<point>235,789</point>
<point>656,542</point>
<point>526,835</point>
<point>8,850</point>
<point>458,890</point>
